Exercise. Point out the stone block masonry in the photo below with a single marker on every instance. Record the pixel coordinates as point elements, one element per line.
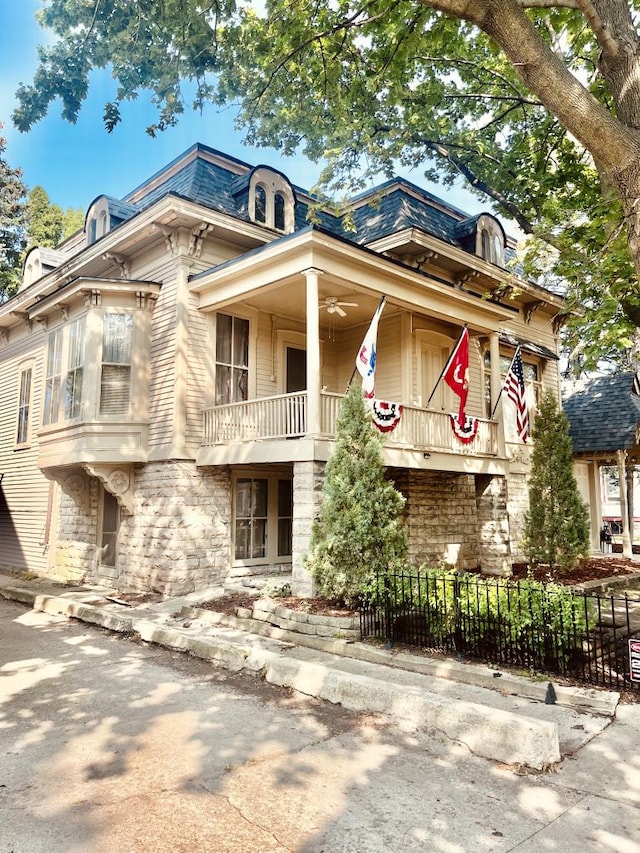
<point>178,539</point>
<point>308,480</point>
<point>441,517</point>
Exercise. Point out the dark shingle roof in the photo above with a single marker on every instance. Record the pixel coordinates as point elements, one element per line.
<point>398,210</point>
<point>603,414</point>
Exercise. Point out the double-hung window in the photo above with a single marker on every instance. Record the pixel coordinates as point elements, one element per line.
<point>51,411</point>
<point>24,406</point>
<point>232,359</point>
<point>115,379</point>
<point>75,365</point>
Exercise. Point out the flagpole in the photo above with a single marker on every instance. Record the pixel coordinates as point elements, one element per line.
<point>380,304</point>
<point>493,411</point>
<point>446,367</point>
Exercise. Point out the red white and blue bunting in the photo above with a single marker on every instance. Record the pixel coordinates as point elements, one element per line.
<point>385,415</point>
<point>468,431</point>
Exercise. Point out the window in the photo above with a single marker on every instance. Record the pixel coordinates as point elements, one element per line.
<point>251,519</point>
<point>486,245</point>
<point>490,239</point>
<point>115,382</point>
<point>53,376</point>
<point>285,517</point>
<point>278,211</point>
<point>24,406</point>
<point>263,521</point>
<point>271,200</point>
<point>75,363</point>
<point>108,551</point>
<point>260,204</point>
<point>232,359</point>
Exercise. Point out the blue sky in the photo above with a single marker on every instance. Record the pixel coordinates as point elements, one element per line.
<point>75,163</point>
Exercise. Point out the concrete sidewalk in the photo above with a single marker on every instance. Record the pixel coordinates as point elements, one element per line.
<point>497,715</point>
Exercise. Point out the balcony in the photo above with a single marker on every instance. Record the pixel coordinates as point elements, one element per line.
<point>272,419</point>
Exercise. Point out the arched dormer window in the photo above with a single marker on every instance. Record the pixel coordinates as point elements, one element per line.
<point>278,211</point>
<point>271,200</point>
<point>490,239</point>
<point>485,242</point>
<point>260,202</point>
<point>97,222</point>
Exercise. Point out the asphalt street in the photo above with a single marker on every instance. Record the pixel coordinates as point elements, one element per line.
<point>109,745</point>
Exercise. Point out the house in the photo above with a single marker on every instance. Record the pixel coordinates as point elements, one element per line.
<point>171,375</point>
<point>604,420</point>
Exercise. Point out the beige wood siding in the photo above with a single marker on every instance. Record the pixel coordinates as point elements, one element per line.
<point>24,492</point>
<point>162,359</point>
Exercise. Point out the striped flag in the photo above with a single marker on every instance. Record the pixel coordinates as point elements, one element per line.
<point>515,390</point>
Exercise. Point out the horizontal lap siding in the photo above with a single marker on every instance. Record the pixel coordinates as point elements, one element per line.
<point>162,373</point>
<point>199,354</point>
<point>24,492</point>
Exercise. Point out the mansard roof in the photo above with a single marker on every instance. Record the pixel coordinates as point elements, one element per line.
<point>219,182</point>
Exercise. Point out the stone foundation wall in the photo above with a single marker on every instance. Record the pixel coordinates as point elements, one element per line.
<point>517,508</point>
<point>441,517</point>
<point>493,525</point>
<point>178,539</point>
<point>308,480</point>
<point>74,559</point>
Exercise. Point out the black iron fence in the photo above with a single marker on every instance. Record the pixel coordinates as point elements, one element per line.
<point>537,626</point>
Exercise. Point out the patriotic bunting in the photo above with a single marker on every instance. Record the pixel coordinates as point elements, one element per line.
<point>386,416</point>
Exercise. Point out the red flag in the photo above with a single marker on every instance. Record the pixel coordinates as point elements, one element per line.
<point>456,373</point>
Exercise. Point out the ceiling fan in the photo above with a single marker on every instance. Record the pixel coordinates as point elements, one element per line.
<point>335,306</point>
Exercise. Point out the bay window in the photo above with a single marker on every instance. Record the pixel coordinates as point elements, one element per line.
<point>115,379</point>
<point>75,365</point>
<point>51,410</point>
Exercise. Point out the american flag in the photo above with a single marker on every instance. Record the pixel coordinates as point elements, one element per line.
<point>514,387</point>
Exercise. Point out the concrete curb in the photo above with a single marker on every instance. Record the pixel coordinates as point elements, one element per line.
<point>602,702</point>
<point>488,732</point>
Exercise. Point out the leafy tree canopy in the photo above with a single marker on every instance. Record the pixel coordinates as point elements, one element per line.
<point>47,224</point>
<point>12,237</point>
<point>535,102</point>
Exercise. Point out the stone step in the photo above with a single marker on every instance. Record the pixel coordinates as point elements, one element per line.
<point>257,583</point>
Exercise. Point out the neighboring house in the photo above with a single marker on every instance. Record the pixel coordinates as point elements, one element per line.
<point>170,377</point>
<point>604,418</point>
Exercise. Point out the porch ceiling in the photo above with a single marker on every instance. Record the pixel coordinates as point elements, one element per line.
<point>272,280</point>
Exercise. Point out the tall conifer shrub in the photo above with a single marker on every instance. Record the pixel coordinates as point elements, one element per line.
<point>359,531</point>
<point>557,524</point>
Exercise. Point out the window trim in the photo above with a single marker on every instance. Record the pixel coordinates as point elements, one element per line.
<point>533,388</point>
<point>274,184</point>
<point>119,415</point>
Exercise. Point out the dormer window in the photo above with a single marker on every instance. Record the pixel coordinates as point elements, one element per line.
<point>260,204</point>
<point>271,200</point>
<point>490,240</point>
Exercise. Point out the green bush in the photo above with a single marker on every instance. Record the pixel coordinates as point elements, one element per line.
<point>538,622</point>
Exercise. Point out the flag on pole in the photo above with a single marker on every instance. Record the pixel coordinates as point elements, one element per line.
<point>367,354</point>
<point>635,385</point>
<point>456,373</point>
<point>515,391</point>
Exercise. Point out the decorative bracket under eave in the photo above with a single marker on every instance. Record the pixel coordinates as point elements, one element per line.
<point>123,263</point>
<point>559,320</point>
<point>196,238</point>
<point>529,309</point>
<point>469,275</point>
<point>116,480</point>
<point>24,318</point>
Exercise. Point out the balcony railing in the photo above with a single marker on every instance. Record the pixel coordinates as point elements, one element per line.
<point>285,416</point>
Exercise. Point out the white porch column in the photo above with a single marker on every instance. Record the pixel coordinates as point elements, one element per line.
<point>495,384</point>
<point>624,506</point>
<point>313,351</point>
<point>494,355</point>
